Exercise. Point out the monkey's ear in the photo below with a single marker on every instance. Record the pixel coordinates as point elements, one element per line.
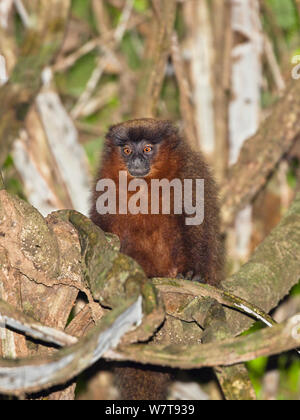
<point>118,135</point>
<point>170,129</point>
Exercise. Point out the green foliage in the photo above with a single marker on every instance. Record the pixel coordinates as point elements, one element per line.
<point>286,16</point>
<point>81,9</point>
<point>141,5</point>
<point>296,290</point>
<point>289,368</point>
<point>73,82</point>
<point>11,179</point>
<point>257,369</point>
<point>292,177</point>
<point>130,47</point>
<point>93,150</point>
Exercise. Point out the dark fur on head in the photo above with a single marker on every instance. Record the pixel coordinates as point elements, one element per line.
<point>154,131</point>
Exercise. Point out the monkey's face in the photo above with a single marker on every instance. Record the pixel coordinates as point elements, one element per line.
<point>140,143</point>
<point>138,157</point>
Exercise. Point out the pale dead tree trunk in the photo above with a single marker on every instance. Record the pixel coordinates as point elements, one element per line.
<point>210,51</point>
<point>47,27</point>
<point>186,106</point>
<point>244,109</point>
<point>49,158</point>
<point>200,51</point>
<point>223,40</point>
<point>5,10</point>
<point>274,139</point>
<point>47,153</point>
<point>63,141</point>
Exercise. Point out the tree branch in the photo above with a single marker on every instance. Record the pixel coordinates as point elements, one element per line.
<point>267,342</point>
<point>10,317</point>
<point>272,271</point>
<point>261,154</point>
<point>30,375</point>
<point>153,71</point>
<point>186,106</point>
<point>2,186</point>
<point>118,282</point>
<point>37,51</point>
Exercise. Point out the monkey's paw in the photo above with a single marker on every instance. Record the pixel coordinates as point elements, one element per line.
<point>190,275</point>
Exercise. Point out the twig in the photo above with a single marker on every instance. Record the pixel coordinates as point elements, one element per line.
<point>10,317</point>
<point>107,40</point>
<point>101,16</point>
<point>90,87</point>
<point>122,27</point>
<point>22,13</point>
<point>66,62</point>
<point>99,70</point>
<point>273,65</point>
<point>2,185</point>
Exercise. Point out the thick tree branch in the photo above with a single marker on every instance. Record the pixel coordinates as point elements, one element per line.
<point>116,281</point>
<point>261,153</point>
<point>271,272</point>
<point>268,342</point>
<point>10,317</point>
<point>29,375</point>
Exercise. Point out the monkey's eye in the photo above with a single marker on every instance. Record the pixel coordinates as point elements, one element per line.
<point>127,151</point>
<point>148,149</point>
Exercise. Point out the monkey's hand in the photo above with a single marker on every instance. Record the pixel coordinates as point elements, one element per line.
<point>190,275</point>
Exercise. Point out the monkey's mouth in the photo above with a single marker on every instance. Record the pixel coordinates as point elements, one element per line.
<point>139,173</point>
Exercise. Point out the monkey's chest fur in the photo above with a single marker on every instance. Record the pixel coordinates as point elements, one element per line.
<point>154,241</point>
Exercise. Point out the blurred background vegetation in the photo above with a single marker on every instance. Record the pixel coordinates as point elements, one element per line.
<point>96,74</point>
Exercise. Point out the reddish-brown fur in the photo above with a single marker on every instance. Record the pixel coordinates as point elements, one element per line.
<point>163,244</point>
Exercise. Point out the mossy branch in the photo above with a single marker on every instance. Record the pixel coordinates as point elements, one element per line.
<point>267,342</point>
<point>263,280</point>
<point>66,363</point>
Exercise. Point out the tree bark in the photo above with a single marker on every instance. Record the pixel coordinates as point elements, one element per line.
<point>260,154</point>
<point>158,48</point>
<point>37,51</point>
